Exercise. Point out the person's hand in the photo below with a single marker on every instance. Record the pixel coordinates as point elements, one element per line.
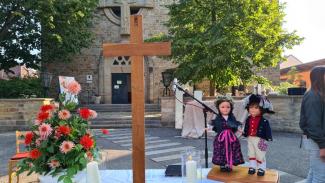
<point>322,154</point>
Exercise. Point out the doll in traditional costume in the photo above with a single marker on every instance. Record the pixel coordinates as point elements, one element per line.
<point>258,132</point>
<point>226,146</point>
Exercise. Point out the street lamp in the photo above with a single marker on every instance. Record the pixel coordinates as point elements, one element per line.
<point>46,78</point>
<point>167,77</point>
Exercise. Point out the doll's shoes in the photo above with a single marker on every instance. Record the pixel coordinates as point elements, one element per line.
<point>260,172</point>
<point>251,171</point>
<point>223,168</point>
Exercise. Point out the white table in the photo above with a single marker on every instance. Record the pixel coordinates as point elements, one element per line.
<point>126,176</point>
<point>152,176</point>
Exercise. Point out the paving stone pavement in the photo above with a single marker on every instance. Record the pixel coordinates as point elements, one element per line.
<point>163,147</point>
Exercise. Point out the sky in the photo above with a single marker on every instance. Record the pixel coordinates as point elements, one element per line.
<point>307,17</point>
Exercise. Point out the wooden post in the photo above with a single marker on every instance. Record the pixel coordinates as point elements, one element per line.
<point>137,50</point>
<point>137,90</point>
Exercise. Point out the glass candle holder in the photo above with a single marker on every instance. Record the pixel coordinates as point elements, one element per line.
<point>103,161</point>
<point>191,166</point>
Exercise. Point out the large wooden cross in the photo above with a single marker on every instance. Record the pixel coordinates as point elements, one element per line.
<point>137,49</point>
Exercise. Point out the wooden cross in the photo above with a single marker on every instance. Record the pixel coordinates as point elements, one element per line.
<point>137,49</point>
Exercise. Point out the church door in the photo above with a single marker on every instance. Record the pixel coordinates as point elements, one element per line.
<point>121,88</point>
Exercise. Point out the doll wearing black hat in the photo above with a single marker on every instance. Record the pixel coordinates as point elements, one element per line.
<point>258,132</point>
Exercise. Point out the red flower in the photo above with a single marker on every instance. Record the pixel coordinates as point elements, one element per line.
<point>105,131</point>
<point>35,154</point>
<point>42,116</point>
<point>85,113</point>
<point>28,138</point>
<point>45,108</point>
<point>65,130</point>
<point>86,142</point>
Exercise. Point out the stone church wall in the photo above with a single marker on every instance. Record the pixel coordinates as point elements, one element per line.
<point>91,61</point>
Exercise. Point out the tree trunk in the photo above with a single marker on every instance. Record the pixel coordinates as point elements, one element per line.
<point>212,88</point>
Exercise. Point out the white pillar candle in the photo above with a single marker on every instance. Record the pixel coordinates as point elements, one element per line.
<point>93,172</point>
<point>191,170</point>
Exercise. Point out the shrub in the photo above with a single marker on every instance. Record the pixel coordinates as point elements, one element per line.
<point>283,88</point>
<point>21,88</point>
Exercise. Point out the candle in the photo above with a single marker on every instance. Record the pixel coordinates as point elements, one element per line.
<point>191,171</point>
<point>93,172</point>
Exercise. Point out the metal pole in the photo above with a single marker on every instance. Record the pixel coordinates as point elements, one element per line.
<point>206,138</point>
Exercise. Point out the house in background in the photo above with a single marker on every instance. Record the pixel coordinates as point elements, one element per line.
<point>301,72</point>
<point>291,61</point>
<point>19,71</point>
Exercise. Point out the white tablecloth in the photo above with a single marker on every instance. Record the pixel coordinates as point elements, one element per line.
<point>126,176</point>
<point>152,176</point>
<point>193,124</point>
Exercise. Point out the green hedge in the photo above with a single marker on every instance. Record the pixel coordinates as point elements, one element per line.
<point>283,88</point>
<point>21,88</point>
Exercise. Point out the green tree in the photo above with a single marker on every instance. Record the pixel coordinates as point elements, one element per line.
<point>295,78</point>
<point>292,75</point>
<point>222,40</point>
<point>33,31</point>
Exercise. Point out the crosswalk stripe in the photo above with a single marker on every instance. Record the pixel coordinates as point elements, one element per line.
<point>302,181</point>
<point>149,142</point>
<point>202,160</point>
<point>120,134</point>
<point>148,153</point>
<point>123,137</point>
<point>117,131</point>
<point>162,145</point>
<point>167,158</point>
<point>130,139</point>
<point>281,173</point>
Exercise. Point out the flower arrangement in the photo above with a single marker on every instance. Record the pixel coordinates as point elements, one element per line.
<point>60,142</point>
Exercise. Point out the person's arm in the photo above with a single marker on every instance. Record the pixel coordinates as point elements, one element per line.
<point>312,119</point>
<point>322,154</point>
<point>214,124</point>
<point>302,122</point>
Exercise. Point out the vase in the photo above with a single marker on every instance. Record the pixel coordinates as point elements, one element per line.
<point>80,177</point>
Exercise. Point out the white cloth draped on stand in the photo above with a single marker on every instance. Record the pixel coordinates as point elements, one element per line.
<point>193,124</point>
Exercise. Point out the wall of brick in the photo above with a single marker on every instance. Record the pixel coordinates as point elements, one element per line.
<point>17,114</point>
<point>285,119</point>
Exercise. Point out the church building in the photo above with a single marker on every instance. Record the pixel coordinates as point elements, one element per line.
<point>110,77</point>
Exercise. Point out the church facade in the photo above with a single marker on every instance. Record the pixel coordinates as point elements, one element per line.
<point>110,78</point>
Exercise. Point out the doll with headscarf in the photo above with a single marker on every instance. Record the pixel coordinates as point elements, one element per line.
<point>226,146</point>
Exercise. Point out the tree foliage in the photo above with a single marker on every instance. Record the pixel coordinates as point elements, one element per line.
<point>222,40</point>
<point>34,31</point>
<point>21,88</point>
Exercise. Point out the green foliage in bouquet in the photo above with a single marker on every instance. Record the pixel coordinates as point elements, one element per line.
<point>60,142</point>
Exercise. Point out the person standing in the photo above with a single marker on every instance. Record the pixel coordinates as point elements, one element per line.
<point>312,123</point>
